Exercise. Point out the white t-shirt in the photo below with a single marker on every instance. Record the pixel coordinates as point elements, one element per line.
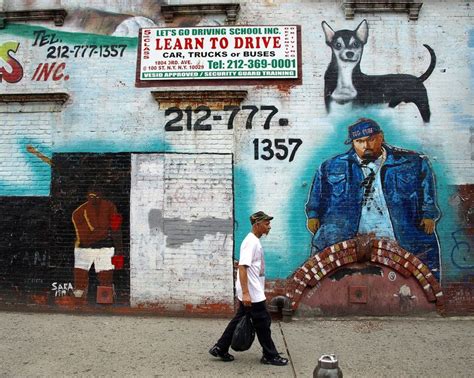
<point>374,215</point>
<point>251,255</point>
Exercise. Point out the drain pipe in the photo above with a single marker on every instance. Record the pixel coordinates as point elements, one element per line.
<point>282,303</point>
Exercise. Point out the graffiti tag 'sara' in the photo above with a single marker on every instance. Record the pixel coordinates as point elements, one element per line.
<point>344,81</point>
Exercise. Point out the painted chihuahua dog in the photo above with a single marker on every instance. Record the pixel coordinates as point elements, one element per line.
<point>344,81</point>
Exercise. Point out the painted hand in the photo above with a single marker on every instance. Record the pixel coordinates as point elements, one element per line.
<point>428,225</point>
<point>313,225</point>
<point>118,261</point>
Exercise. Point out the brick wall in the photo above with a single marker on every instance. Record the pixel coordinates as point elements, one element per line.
<point>186,194</point>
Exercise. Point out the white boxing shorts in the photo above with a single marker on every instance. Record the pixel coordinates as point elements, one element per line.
<point>100,257</point>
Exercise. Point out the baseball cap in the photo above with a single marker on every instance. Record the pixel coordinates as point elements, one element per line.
<point>363,127</point>
<point>259,216</point>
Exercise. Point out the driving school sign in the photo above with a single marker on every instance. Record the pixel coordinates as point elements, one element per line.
<point>237,52</point>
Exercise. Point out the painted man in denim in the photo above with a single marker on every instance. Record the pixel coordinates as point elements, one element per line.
<point>375,188</point>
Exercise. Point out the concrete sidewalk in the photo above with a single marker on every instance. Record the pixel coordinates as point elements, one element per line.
<point>57,345</point>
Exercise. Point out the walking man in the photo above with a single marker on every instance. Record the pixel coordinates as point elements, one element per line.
<point>250,287</point>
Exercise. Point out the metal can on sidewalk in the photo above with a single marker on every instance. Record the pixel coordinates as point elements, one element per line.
<point>328,367</point>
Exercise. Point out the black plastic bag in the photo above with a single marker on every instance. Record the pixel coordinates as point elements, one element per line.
<point>244,334</point>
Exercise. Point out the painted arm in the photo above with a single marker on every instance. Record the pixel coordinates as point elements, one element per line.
<point>79,223</point>
<point>246,300</point>
<point>430,211</point>
<point>313,204</point>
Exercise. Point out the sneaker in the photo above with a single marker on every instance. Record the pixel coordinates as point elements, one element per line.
<point>224,356</point>
<point>277,360</point>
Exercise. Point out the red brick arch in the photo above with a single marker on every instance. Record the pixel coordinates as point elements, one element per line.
<point>379,251</point>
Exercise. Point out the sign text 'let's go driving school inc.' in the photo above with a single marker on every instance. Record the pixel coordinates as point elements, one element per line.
<point>245,52</point>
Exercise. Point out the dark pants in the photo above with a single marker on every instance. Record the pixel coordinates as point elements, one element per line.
<point>261,320</point>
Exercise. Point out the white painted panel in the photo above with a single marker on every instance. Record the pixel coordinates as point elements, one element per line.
<point>181,229</point>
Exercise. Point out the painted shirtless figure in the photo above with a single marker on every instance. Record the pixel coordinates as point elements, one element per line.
<point>98,239</point>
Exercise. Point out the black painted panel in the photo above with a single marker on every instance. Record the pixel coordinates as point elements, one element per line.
<point>24,247</point>
<point>72,175</point>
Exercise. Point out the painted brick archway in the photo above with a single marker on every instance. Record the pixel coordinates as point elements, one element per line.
<point>363,249</point>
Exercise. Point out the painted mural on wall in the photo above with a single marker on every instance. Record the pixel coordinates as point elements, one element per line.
<point>280,140</point>
<point>97,224</point>
<point>462,252</point>
<point>90,211</point>
<point>345,82</point>
<point>375,188</point>
<point>7,54</point>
